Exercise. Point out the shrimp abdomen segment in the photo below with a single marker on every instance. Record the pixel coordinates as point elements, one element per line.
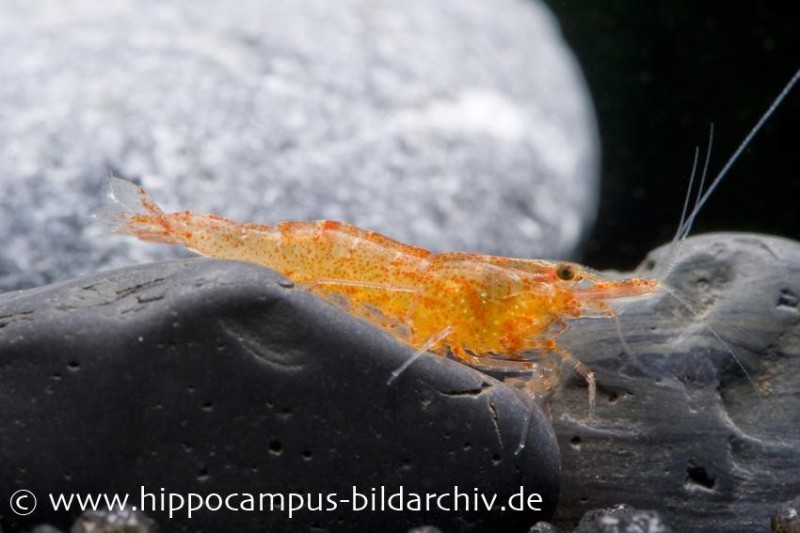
<point>330,258</point>
<point>377,276</point>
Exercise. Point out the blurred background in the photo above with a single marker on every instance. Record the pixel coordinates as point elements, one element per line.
<point>659,74</point>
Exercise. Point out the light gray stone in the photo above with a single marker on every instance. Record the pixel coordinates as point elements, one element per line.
<point>451,125</point>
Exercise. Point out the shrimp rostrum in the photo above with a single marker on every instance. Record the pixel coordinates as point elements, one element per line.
<point>491,312</point>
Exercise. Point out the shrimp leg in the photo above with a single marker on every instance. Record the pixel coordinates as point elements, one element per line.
<point>517,364</point>
<point>429,344</point>
<point>550,345</point>
<point>579,367</point>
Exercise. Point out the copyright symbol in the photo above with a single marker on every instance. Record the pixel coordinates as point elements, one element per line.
<point>23,502</point>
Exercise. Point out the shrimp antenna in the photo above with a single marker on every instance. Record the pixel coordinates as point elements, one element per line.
<point>685,304</point>
<point>722,173</point>
<point>675,247</point>
<point>686,225</point>
<point>702,182</point>
<point>688,193</point>
<point>680,236</point>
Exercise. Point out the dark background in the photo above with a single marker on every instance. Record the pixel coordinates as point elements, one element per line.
<point>660,73</point>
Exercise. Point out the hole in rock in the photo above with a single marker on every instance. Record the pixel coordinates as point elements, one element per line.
<point>697,476</point>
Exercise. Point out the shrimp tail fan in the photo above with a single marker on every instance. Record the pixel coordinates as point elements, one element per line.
<point>135,213</point>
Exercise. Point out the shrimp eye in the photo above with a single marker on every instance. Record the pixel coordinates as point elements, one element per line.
<point>565,272</point>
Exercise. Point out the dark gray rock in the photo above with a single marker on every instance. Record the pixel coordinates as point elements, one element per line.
<point>43,528</point>
<point>460,125</point>
<point>113,521</point>
<point>425,529</point>
<point>543,527</point>
<point>787,518</point>
<point>106,520</point>
<point>622,519</point>
<point>213,377</point>
<point>680,427</point>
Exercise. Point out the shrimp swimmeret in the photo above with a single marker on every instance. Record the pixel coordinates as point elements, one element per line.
<point>491,312</point>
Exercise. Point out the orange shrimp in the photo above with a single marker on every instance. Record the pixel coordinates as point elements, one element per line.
<point>490,312</point>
